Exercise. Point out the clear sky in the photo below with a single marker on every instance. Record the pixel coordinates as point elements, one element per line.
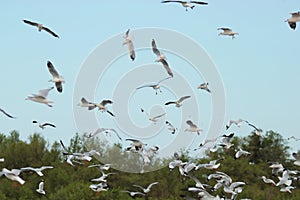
<point>259,68</point>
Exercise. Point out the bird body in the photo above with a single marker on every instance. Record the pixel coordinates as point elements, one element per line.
<point>128,41</point>
<point>228,32</point>
<point>41,188</point>
<point>193,127</point>
<point>161,58</point>
<point>102,104</point>
<point>178,102</point>
<point>204,86</point>
<point>148,189</point>
<point>41,97</point>
<point>56,78</point>
<point>86,104</point>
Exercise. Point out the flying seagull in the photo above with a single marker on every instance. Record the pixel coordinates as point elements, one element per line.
<point>41,188</point>
<point>41,97</point>
<point>37,170</point>
<point>161,58</point>
<point>135,145</point>
<point>257,130</point>
<point>101,130</point>
<point>57,79</point>
<point>297,157</point>
<point>5,113</point>
<point>85,103</point>
<point>133,194</point>
<point>178,102</point>
<point>292,21</point>
<point>128,41</point>
<point>171,127</point>
<point>193,127</point>
<point>228,31</point>
<point>154,86</point>
<point>102,104</point>
<point>236,122</point>
<point>40,27</point>
<point>187,4</point>
<point>146,190</point>
<point>42,126</point>
<point>155,118</point>
<point>204,86</point>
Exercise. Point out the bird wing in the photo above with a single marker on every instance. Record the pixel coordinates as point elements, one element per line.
<point>63,146</point>
<point>199,2</point>
<point>113,130</point>
<point>127,33</point>
<point>139,187</point>
<point>191,124</point>
<point>30,22</point>
<point>163,79</point>
<point>166,66</point>
<point>295,14</point>
<point>109,112</point>
<point>44,92</point>
<point>133,140</point>
<point>8,115</point>
<point>104,102</point>
<point>149,186</point>
<point>145,86</point>
<point>183,98</point>
<point>52,70</point>
<point>253,126</point>
<point>225,29</point>
<point>131,50</point>
<point>51,32</point>
<point>58,86</point>
<point>173,1</point>
<point>48,124</point>
<point>158,116</point>
<point>154,48</point>
<point>46,167</point>
<point>292,25</point>
<point>41,186</point>
<point>84,101</point>
<point>170,102</point>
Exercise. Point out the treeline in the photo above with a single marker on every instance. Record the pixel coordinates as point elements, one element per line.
<point>72,182</point>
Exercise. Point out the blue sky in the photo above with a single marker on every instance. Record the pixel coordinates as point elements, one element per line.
<point>259,68</point>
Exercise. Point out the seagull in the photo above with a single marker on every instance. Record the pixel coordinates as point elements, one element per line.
<point>186,4</point>
<point>161,58</point>
<point>293,137</point>
<point>286,189</point>
<point>133,194</point>
<point>276,168</point>
<point>42,126</point>
<point>198,184</point>
<point>101,167</point>
<point>257,130</point>
<point>212,165</point>
<point>236,122</point>
<point>5,113</point>
<point>106,130</point>
<point>128,41</point>
<point>297,157</point>
<point>102,186</point>
<point>41,97</point>
<point>285,179</point>
<point>155,118</point>
<point>37,170</point>
<point>171,127</point>
<point>40,27</point>
<point>11,175</point>
<point>178,102</point>
<point>292,21</point>
<point>206,141</point>
<point>85,103</point>
<point>103,177</point>
<point>102,104</point>
<point>135,145</point>
<point>228,31</point>
<point>193,127</point>
<point>146,190</point>
<point>156,86</point>
<point>267,180</point>
<point>204,86</point>
<point>240,152</point>
<point>41,188</point>
<point>57,79</point>
<point>226,141</point>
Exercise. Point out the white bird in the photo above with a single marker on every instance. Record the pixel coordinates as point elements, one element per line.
<point>187,4</point>
<point>133,194</point>
<point>178,102</point>
<point>212,165</point>
<point>101,130</point>
<point>171,127</point>
<point>40,27</point>
<point>237,122</point>
<point>286,189</point>
<point>205,142</point>
<point>161,58</point>
<point>231,189</point>
<point>228,31</point>
<point>155,118</point>
<point>193,127</point>
<point>257,130</point>
<point>204,86</point>
<point>136,145</point>
<point>148,189</point>
<point>37,170</point>
<point>241,152</point>
<point>156,86</point>
<point>12,175</point>
<point>41,97</point>
<point>128,41</point>
<point>198,184</point>
<point>276,168</point>
<point>297,157</point>
<point>285,179</point>
<point>292,21</point>
<point>5,113</point>
<point>226,141</point>
<point>41,188</point>
<point>103,177</point>
<point>42,126</point>
<point>2,159</point>
<point>56,78</point>
<point>102,186</point>
<point>101,167</point>
<point>86,104</point>
<point>268,181</point>
<point>102,104</point>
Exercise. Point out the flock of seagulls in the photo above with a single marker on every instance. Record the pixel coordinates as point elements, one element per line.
<point>186,169</point>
